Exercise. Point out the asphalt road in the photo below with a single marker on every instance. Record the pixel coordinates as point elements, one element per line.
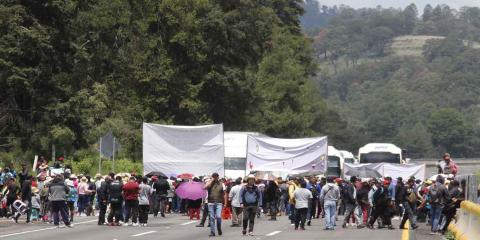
<point>180,227</point>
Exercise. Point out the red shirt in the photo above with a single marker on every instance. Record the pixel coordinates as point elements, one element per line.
<point>130,191</point>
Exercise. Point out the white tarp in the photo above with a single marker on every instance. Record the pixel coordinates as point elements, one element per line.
<point>175,150</point>
<point>286,155</point>
<point>377,170</point>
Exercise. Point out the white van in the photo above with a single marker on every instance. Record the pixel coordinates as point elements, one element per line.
<point>381,153</point>
<point>348,157</point>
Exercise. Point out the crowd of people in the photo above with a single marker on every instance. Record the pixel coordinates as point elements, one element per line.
<point>129,199</point>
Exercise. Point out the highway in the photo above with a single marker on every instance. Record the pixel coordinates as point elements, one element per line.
<point>180,227</point>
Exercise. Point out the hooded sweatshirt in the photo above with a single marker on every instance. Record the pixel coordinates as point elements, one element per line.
<point>330,192</point>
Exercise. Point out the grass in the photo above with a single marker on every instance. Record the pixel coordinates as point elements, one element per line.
<point>410,45</point>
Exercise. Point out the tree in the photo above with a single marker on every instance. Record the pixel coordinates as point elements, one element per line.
<point>427,13</point>
<point>410,18</point>
<point>448,130</point>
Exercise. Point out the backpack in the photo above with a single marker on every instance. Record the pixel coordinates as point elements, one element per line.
<point>250,197</point>
<point>434,194</point>
<point>412,197</point>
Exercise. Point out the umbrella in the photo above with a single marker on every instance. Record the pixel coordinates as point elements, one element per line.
<point>158,174</point>
<point>264,175</point>
<point>185,176</point>
<point>362,171</point>
<point>191,190</point>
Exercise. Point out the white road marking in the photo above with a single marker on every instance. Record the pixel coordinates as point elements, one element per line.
<point>183,224</point>
<point>41,229</point>
<point>273,233</point>
<point>141,234</point>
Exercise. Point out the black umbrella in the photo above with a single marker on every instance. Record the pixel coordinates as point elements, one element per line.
<point>158,174</point>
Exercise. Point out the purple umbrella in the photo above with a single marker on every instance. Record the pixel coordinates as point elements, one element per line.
<point>191,190</point>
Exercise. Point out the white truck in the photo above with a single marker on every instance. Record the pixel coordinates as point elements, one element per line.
<point>348,157</point>
<point>381,153</point>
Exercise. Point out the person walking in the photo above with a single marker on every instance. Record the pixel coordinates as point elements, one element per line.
<point>57,195</point>
<point>362,201</point>
<point>293,185</point>
<point>250,201</point>
<point>380,201</point>
<point>450,209</point>
<point>130,194</point>
<point>329,196</point>
<point>115,199</point>
<point>235,198</point>
<point>272,194</point>
<point>83,196</point>
<point>144,198</point>
<point>216,200</point>
<point>315,189</point>
<point>407,196</point>
<point>303,198</point>
<point>72,197</point>
<point>439,196</point>
<point>349,199</point>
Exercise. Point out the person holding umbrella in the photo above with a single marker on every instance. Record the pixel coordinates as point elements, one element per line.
<point>250,201</point>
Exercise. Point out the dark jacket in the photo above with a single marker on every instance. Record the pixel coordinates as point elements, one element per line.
<point>362,195</point>
<point>272,193</point>
<point>115,192</point>
<point>348,191</point>
<point>102,192</point>
<point>400,193</point>
<point>161,187</point>
<point>27,191</point>
<point>58,190</point>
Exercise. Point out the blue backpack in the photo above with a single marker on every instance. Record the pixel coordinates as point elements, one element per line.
<point>250,195</point>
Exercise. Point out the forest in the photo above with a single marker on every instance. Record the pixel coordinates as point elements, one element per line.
<point>70,71</point>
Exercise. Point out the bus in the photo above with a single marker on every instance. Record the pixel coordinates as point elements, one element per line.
<point>381,153</point>
<point>334,162</point>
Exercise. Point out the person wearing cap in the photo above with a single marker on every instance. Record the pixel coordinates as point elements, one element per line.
<point>349,199</point>
<point>216,200</point>
<point>447,166</point>
<point>250,200</point>
<point>380,202</point>
<point>329,196</point>
<point>235,198</point>
<point>362,201</point>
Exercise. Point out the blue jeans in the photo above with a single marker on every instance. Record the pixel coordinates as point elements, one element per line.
<point>330,213</point>
<point>436,213</point>
<point>215,212</point>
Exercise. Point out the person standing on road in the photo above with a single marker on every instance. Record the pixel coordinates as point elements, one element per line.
<point>363,203</point>
<point>349,199</point>
<point>115,199</point>
<point>293,185</point>
<point>102,195</point>
<point>329,196</point>
<point>27,195</point>
<point>160,189</point>
<point>315,189</point>
<point>57,195</point>
<point>303,199</point>
<point>407,197</point>
<point>235,197</point>
<point>439,196</point>
<point>250,201</point>
<point>144,202</point>
<point>130,194</point>
<point>216,199</point>
<point>83,196</point>
<point>72,197</point>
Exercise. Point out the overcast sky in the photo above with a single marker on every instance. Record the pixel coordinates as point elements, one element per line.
<point>401,3</point>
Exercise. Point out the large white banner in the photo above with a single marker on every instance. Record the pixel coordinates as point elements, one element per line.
<point>286,155</point>
<point>175,150</point>
<point>378,170</point>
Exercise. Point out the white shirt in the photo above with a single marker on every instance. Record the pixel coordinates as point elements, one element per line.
<point>302,195</point>
<point>234,195</point>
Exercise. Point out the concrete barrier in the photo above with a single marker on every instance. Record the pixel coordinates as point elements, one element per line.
<point>467,226</point>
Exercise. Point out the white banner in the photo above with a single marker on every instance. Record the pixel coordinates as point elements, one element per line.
<point>175,150</point>
<point>378,170</point>
<point>286,155</point>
